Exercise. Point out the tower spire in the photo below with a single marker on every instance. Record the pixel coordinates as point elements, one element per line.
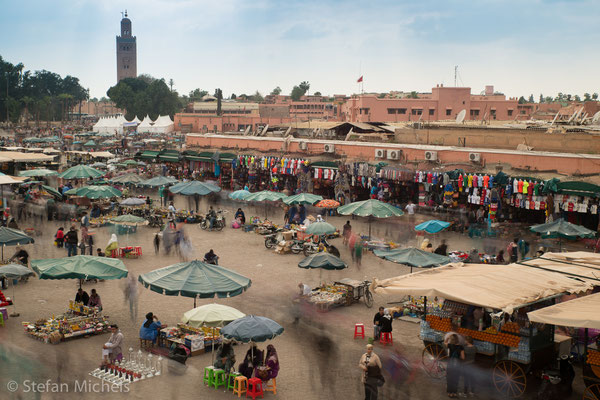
<point>125,13</point>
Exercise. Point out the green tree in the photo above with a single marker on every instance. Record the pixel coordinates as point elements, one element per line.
<point>569,97</point>
<point>317,94</point>
<point>522,100</point>
<point>171,83</point>
<point>141,96</point>
<point>577,98</point>
<point>541,98</point>
<point>276,91</point>
<point>531,99</point>
<point>296,93</point>
<point>305,86</point>
<point>595,96</point>
<point>587,97</point>
<point>257,97</point>
<point>233,96</point>
<point>197,94</point>
<point>219,96</point>
<point>548,99</point>
<point>413,95</point>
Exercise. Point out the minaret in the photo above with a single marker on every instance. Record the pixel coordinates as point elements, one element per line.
<point>126,51</point>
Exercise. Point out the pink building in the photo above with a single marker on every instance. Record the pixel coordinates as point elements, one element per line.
<point>443,103</point>
<point>309,107</point>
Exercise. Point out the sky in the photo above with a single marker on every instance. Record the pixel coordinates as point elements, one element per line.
<point>521,47</point>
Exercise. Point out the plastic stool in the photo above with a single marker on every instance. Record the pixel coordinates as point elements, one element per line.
<point>209,374</point>
<point>240,385</point>
<point>254,388</point>
<point>359,331</point>
<point>386,338</point>
<point>1,319</point>
<point>231,383</point>
<point>271,386</point>
<point>219,378</point>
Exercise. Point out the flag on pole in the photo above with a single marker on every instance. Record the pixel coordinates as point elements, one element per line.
<point>360,79</point>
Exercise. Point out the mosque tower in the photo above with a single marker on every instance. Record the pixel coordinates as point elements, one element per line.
<point>126,51</point>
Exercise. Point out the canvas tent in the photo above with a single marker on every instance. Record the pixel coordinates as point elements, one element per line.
<point>501,287</point>
<point>146,125</point>
<point>579,313</point>
<point>578,264</point>
<point>163,124</point>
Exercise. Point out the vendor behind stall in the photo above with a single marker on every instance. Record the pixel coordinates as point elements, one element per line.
<point>82,297</point>
<point>149,330</point>
<point>94,300</point>
<point>114,344</point>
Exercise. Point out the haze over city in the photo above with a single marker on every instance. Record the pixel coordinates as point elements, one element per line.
<point>522,48</point>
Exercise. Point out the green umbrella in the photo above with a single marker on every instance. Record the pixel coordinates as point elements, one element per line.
<point>195,279</point>
<point>127,179</point>
<point>80,172</point>
<point>194,187</point>
<point>252,328</point>
<point>95,192</point>
<point>413,257</point>
<point>14,271</point>
<point>562,229</point>
<point>370,208</point>
<point>265,195</point>
<point>13,237</point>
<point>130,162</point>
<point>80,267</point>
<point>37,172</point>
<point>159,181</point>
<point>239,195</point>
<point>128,219</point>
<point>322,260</point>
<point>52,191</point>
<point>90,143</point>
<point>212,315</point>
<point>320,228</point>
<point>303,198</point>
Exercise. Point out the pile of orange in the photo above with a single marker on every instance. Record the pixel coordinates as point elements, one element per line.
<point>511,327</point>
<point>439,324</point>
<point>490,335</point>
<point>593,357</point>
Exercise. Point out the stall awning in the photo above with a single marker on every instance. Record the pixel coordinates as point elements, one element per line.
<point>324,164</point>
<point>168,157</point>
<point>577,264</point>
<point>501,287</point>
<point>149,155</point>
<point>579,313</point>
<point>198,158</point>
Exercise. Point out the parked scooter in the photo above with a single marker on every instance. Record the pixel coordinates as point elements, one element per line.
<point>557,381</point>
<point>311,247</point>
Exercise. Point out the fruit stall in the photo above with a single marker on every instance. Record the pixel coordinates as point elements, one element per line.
<point>476,299</point>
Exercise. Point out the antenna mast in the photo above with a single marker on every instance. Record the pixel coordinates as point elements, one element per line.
<point>455,73</point>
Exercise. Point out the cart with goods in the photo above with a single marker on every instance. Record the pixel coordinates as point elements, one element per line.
<point>516,350</point>
<point>342,293</point>
<point>581,313</point>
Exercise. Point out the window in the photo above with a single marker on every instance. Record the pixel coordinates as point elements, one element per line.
<point>401,110</point>
<point>431,111</point>
<point>416,111</point>
<point>510,112</point>
<point>523,112</point>
<point>391,111</point>
<point>474,113</point>
<point>448,112</point>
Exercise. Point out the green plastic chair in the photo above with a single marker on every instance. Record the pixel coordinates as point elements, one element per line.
<point>231,383</point>
<point>219,378</point>
<point>209,375</point>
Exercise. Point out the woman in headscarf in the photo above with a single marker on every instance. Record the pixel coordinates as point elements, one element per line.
<point>272,364</point>
<point>113,244</point>
<point>424,244</point>
<point>386,321</point>
<point>254,358</point>
<point>149,330</point>
<point>225,357</point>
<point>240,214</point>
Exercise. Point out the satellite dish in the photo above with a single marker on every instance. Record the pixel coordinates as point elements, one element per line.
<point>461,116</point>
<point>596,117</point>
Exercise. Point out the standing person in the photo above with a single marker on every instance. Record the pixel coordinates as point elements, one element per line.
<point>371,377</point>
<point>523,248</point>
<point>114,344</point>
<point>131,296</point>
<point>358,250</point>
<point>351,244</point>
<point>60,237</point>
<point>71,241</point>
<point>347,231</point>
<point>161,194</point>
<point>512,250</point>
<point>468,368</point>
<point>85,220</point>
<point>410,209</point>
<point>157,243</point>
<point>84,238</point>
<point>456,353</point>
<point>377,323</point>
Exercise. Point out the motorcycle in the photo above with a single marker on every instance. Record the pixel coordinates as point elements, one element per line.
<point>219,223</point>
<point>272,239</point>
<point>311,247</point>
<point>557,381</point>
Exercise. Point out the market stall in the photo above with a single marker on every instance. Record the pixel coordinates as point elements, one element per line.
<point>344,292</point>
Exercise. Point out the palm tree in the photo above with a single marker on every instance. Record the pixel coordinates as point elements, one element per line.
<point>26,101</point>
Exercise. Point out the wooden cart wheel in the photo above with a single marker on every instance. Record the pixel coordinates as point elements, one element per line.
<point>509,378</point>
<point>592,392</point>
<point>434,360</point>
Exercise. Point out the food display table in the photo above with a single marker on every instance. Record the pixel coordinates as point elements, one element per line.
<point>198,340</point>
<point>76,322</point>
<point>127,252</point>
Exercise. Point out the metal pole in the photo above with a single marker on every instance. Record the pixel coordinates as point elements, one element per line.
<point>424,307</point>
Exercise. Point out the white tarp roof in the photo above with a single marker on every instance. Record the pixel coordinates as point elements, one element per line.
<point>577,264</point>
<point>9,180</point>
<point>583,312</point>
<point>501,287</point>
<point>7,156</point>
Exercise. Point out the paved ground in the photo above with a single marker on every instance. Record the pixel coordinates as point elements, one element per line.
<point>306,372</point>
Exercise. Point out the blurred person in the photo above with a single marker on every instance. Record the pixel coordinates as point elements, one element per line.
<point>59,237</point>
<point>212,217</point>
<point>21,256</point>
<point>512,250</point>
<point>71,241</point>
<point>131,296</point>
<point>442,249</point>
<point>500,257</point>
<point>94,300</point>
<point>424,244</point>
<point>347,232</point>
<point>468,371</point>
<point>156,242</point>
<point>358,250</point>
<point>523,246</point>
<point>371,366</point>
<point>429,248</point>
<point>377,323</point>
<point>456,353</point>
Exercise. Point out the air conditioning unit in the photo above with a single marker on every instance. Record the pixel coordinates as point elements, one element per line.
<point>474,157</point>
<point>380,153</point>
<point>394,154</point>
<point>329,148</point>
<point>303,145</point>
<point>431,155</point>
